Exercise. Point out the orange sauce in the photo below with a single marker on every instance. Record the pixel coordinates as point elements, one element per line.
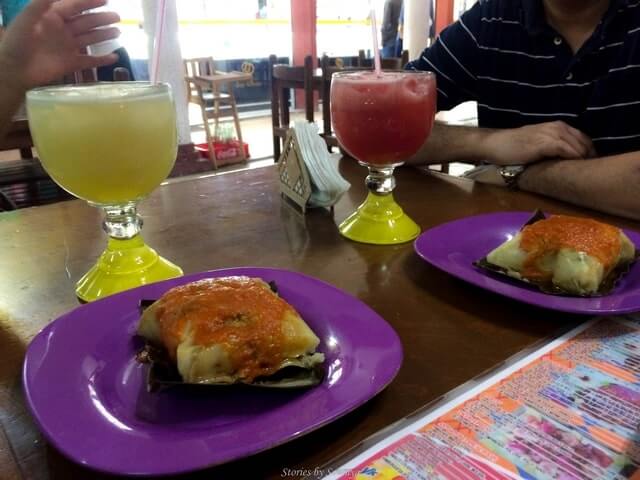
<point>597,239</point>
<point>238,313</point>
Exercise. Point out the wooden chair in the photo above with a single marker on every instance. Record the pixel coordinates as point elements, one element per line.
<point>212,91</point>
<point>328,69</point>
<point>284,78</point>
<point>396,63</point>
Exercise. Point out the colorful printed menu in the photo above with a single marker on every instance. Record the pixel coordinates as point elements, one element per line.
<point>568,411</point>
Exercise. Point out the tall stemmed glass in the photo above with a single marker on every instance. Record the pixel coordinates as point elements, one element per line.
<point>110,144</point>
<point>382,119</point>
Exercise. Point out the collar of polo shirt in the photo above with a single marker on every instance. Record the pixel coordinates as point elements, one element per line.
<point>533,18</point>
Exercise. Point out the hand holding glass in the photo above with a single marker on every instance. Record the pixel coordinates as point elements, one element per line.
<point>110,144</point>
<point>382,120</point>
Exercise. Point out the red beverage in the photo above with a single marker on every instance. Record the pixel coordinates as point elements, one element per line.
<point>383,119</point>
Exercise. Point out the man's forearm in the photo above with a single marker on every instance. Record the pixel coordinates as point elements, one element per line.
<point>12,92</point>
<point>608,184</point>
<point>507,146</point>
<point>449,143</point>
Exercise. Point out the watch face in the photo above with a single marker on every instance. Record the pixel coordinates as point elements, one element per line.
<point>510,174</point>
<point>514,169</point>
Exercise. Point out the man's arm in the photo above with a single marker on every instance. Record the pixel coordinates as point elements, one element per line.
<point>516,146</point>
<point>608,184</point>
<point>44,42</point>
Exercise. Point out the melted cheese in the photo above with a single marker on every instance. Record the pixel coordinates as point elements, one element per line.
<point>227,329</point>
<point>575,254</point>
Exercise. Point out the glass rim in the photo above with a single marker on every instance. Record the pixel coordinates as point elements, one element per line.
<point>348,73</point>
<point>145,87</point>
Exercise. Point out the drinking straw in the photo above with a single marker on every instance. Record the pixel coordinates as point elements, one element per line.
<point>376,47</point>
<point>159,35</point>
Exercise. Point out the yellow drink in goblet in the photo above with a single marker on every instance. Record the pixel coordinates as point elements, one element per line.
<point>110,144</point>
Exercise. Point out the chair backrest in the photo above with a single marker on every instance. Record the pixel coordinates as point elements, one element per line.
<point>283,79</point>
<point>394,63</point>
<point>333,61</point>
<point>196,67</point>
<point>328,69</point>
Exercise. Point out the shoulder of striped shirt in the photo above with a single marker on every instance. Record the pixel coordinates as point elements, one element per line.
<point>516,22</point>
<point>496,49</point>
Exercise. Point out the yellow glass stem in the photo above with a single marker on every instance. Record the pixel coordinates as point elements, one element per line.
<point>381,221</point>
<point>125,264</point>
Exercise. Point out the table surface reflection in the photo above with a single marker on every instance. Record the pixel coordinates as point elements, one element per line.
<point>451,331</point>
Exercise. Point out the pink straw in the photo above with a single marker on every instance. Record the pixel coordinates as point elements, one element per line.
<point>159,35</point>
<point>376,47</point>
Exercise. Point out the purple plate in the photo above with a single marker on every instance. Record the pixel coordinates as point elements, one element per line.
<point>88,394</point>
<point>453,247</point>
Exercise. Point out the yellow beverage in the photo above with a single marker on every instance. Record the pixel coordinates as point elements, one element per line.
<point>107,143</point>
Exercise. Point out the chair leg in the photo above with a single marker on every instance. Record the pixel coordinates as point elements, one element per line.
<point>216,113</point>
<point>285,120</point>
<point>207,131</point>
<point>236,121</point>
<point>276,148</point>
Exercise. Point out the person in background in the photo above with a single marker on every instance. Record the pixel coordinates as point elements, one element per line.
<point>389,27</point>
<point>400,36</point>
<point>105,73</point>
<point>43,44</point>
<point>556,83</point>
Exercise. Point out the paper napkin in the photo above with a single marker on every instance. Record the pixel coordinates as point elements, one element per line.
<point>327,185</point>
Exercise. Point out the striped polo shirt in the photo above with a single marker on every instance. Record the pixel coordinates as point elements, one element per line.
<point>504,55</point>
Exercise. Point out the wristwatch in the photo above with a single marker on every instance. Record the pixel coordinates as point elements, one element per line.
<point>510,175</point>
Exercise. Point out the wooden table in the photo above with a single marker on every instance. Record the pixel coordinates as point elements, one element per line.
<point>451,331</point>
<point>224,78</point>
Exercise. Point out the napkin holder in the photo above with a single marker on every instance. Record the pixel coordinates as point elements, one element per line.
<point>295,183</point>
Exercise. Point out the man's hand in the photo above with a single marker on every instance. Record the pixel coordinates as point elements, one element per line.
<point>533,143</point>
<point>46,40</point>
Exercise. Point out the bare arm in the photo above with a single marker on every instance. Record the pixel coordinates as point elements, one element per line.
<point>448,143</point>
<point>515,146</point>
<point>607,184</point>
<point>44,43</point>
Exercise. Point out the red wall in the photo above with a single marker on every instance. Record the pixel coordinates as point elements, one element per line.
<point>444,14</point>
<point>303,25</point>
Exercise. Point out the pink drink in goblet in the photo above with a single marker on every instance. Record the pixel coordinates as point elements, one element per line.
<point>382,120</point>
